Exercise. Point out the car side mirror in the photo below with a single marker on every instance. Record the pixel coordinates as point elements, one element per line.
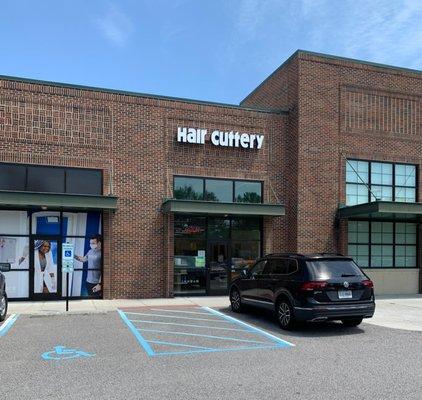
<point>245,273</point>
<point>4,267</point>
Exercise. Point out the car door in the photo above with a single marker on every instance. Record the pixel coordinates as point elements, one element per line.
<point>249,283</point>
<point>272,279</point>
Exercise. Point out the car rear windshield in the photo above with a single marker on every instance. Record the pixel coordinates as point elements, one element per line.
<point>327,269</point>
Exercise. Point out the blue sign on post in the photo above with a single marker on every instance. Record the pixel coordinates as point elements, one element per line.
<point>67,266</point>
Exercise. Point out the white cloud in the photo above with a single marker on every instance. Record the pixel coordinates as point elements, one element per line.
<point>385,31</point>
<point>114,25</point>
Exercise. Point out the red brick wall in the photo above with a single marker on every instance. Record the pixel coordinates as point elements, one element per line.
<point>339,109</point>
<point>133,140</point>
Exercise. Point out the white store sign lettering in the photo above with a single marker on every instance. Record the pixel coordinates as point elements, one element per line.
<point>220,138</point>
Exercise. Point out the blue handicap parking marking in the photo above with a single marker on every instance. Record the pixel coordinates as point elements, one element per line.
<point>162,331</point>
<point>63,353</point>
<point>6,325</point>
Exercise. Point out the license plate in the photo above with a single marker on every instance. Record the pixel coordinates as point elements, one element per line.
<point>345,294</point>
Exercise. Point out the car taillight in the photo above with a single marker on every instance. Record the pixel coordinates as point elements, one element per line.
<point>368,283</point>
<point>313,285</point>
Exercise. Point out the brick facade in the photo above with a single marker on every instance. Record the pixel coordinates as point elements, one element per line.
<point>337,108</point>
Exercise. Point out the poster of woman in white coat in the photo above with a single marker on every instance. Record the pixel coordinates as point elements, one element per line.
<point>45,270</point>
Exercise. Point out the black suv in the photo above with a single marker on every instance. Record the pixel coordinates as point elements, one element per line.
<point>4,267</point>
<point>306,287</point>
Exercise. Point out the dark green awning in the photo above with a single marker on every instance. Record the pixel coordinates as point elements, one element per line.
<point>382,210</point>
<point>11,199</point>
<point>212,207</point>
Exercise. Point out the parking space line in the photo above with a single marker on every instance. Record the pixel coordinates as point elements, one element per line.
<point>190,325</point>
<point>179,311</point>
<point>207,336</point>
<point>173,353</point>
<point>149,338</point>
<point>173,316</point>
<point>8,324</point>
<point>179,344</point>
<point>251,328</point>
<point>136,333</point>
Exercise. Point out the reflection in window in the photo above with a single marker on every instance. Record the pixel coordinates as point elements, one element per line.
<point>246,228</point>
<point>387,182</point>
<point>219,190</point>
<point>218,228</point>
<point>379,244</point>
<point>188,188</point>
<point>248,192</point>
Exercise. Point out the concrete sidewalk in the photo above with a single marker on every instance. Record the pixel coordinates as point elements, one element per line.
<point>399,312</point>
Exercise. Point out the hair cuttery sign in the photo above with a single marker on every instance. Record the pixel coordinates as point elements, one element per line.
<point>220,138</point>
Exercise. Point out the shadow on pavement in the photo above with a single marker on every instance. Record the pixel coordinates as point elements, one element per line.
<point>266,319</point>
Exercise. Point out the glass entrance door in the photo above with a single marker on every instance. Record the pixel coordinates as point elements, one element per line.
<point>45,268</point>
<point>218,267</point>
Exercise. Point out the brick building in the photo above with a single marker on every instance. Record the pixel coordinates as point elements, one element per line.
<point>163,196</point>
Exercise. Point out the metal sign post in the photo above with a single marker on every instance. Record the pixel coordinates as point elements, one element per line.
<point>67,266</point>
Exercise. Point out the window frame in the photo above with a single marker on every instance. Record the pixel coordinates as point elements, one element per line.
<point>393,186</point>
<point>394,244</point>
<point>232,180</point>
<point>64,168</point>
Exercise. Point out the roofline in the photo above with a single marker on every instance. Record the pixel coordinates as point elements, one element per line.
<point>139,94</point>
<point>333,57</point>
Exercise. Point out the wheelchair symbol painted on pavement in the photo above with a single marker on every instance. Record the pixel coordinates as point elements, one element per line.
<point>62,353</point>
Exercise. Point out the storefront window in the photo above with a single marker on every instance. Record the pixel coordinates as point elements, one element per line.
<point>188,188</point>
<point>218,228</point>
<point>370,181</point>
<point>247,192</point>
<point>189,254</point>
<point>213,250</point>
<point>49,230</point>
<point>246,228</point>
<point>379,244</point>
<point>218,190</point>
<point>221,190</point>
<point>37,178</point>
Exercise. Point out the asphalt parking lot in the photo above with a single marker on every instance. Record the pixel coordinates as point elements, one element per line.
<point>203,353</point>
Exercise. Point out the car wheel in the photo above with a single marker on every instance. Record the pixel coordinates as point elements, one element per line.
<point>351,322</point>
<point>3,307</point>
<point>235,300</point>
<point>285,315</point>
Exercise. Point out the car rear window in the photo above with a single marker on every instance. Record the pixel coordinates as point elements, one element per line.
<point>327,269</point>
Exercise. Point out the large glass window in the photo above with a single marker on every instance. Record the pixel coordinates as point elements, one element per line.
<point>222,190</point>
<point>379,244</point>
<point>218,190</point>
<point>200,241</point>
<point>188,188</point>
<point>370,181</point>
<point>87,181</point>
<point>17,240</point>
<point>37,178</point>
<point>189,254</point>
<point>247,192</point>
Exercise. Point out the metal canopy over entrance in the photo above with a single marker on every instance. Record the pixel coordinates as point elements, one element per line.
<point>12,199</point>
<point>383,210</point>
<point>217,208</point>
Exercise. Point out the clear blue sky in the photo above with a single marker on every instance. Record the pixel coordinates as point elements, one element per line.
<point>216,50</point>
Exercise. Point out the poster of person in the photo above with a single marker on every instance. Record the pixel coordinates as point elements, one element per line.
<point>45,267</point>
<point>36,249</point>
<point>93,259</point>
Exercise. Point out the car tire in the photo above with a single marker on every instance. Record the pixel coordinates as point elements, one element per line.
<point>236,300</point>
<point>285,315</point>
<point>352,322</point>
<point>3,307</point>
